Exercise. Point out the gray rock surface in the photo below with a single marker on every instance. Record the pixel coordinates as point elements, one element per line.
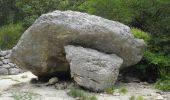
<point>52,81</point>
<point>92,69</point>
<point>2,58</point>
<point>41,47</point>
<point>6,66</point>
<point>3,71</point>
<point>11,64</point>
<point>7,56</point>
<point>1,63</point>
<point>3,53</point>
<point>14,71</point>
<point>6,61</point>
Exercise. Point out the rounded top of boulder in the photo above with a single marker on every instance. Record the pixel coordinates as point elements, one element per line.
<point>79,20</point>
<point>41,47</point>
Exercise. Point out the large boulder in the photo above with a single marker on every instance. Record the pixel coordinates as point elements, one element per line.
<point>41,47</point>
<point>92,69</point>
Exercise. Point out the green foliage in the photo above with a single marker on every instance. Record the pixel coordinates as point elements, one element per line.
<point>163,84</point>
<point>132,98</point>
<point>32,9</point>
<point>111,9</point>
<point>136,98</point>
<point>110,90</point>
<point>93,98</point>
<point>9,13</point>
<point>9,35</point>
<point>77,93</point>
<point>139,98</point>
<point>157,58</point>
<point>162,63</point>
<point>160,43</point>
<point>113,89</point>
<point>141,34</point>
<point>123,90</point>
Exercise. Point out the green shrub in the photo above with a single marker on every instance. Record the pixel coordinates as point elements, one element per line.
<point>136,98</point>
<point>82,95</point>
<point>161,62</point>
<point>9,35</point>
<point>138,33</point>
<point>139,98</point>
<point>123,90</point>
<point>117,10</point>
<point>163,84</point>
<point>110,90</point>
<point>132,97</point>
<point>9,13</point>
<point>157,58</point>
<point>155,62</point>
<point>160,44</point>
<point>32,9</point>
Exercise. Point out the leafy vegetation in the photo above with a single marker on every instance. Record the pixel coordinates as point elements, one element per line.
<point>132,97</point>
<point>139,98</point>
<point>138,33</point>
<point>32,9</point>
<point>111,9</point>
<point>136,98</point>
<point>156,62</point>
<point>9,13</point>
<point>163,85</point>
<point>121,90</point>
<point>110,90</point>
<point>80,94</point>
<point>9,35</point>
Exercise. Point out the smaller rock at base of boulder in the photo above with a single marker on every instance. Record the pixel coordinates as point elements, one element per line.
<point>3,71</point>
<point>14,71</point>
<point>92,69</point>
<point>52,81</point>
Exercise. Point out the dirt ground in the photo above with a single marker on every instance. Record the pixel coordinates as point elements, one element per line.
<point>19,85</point>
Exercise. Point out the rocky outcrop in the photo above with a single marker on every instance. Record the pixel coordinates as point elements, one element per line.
<point>41,47</point>
<point>92,69</point>
<point>6,66</point>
